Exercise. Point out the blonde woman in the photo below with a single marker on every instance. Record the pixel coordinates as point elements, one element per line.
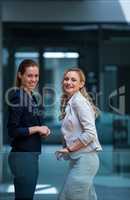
<point>78,115</point>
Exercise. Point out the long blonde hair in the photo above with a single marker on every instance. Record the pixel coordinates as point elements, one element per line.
<point>64,97</point>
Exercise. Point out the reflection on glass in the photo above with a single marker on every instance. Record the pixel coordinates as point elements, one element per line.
<point>55,65</point>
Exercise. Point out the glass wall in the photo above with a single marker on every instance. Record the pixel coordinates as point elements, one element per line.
<point>55,63</point>
<point>102,51</point>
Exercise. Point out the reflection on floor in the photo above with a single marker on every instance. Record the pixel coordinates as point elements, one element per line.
<point>109,185</point>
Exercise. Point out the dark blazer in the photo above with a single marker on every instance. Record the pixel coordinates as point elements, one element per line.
<point>24,112</point>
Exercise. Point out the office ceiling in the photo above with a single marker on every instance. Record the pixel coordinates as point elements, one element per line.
<point>39,0</point>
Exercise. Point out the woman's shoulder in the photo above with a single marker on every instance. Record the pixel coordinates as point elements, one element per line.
<point>79,99</point>
<point>81,104</point>
<point>14,93</point>
<point>14,96</point>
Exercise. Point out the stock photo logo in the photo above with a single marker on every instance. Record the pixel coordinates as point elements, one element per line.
<point>119,94</point>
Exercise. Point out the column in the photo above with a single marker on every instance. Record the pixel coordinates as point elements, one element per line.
<point>1,98</point>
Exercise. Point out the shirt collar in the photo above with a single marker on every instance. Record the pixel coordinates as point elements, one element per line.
<point>73,97</point>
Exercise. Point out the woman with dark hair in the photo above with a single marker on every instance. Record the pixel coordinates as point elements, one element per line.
<point>25,128</point>
<point>81,142</point>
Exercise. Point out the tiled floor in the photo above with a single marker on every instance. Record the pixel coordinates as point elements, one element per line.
<point>109,186</point>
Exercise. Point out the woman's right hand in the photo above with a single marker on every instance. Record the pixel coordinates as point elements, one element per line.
<point>58,155</point>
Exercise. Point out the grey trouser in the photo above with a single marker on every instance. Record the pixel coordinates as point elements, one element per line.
<point>79,181</point>
<point>24,167</point>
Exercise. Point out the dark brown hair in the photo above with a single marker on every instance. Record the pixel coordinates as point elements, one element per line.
<point>22,68</point>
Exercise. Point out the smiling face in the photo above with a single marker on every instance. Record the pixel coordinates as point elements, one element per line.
<point>29,79</point>
<point>72,83</point>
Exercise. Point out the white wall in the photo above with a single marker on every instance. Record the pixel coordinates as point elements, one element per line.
<point>65,11</point>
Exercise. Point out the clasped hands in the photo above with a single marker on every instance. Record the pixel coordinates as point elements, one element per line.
<point>44,131</point>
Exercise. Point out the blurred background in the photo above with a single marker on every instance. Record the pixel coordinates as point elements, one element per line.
<point>93,35</point>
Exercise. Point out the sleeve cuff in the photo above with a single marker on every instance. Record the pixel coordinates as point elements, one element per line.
<point>23,131</point>
<point>83,141</point>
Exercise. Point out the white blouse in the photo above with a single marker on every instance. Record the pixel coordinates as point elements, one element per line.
<point>79,123</point>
